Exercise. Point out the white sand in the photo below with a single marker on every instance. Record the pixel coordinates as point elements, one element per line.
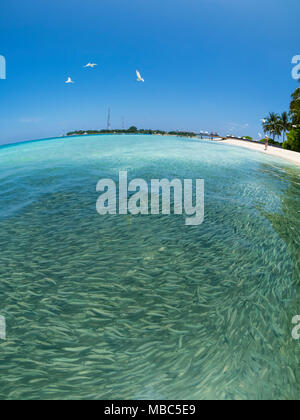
<point>274,151</point>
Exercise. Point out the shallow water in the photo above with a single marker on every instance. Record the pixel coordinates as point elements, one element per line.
<point>132,307</point>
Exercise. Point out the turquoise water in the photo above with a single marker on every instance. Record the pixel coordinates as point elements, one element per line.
<point>131,307</point>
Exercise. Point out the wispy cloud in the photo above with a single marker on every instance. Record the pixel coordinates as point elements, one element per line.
<point>31,120</point>
<point>236,125</point>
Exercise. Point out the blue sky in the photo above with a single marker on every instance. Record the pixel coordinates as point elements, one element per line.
<point>208,64</point>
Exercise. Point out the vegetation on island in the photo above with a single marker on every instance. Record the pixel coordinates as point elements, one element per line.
<point>133,130</point>
<point>286,125</point>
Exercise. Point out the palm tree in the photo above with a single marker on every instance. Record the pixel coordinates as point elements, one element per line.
<point>285,124</point>
<point>295,107</point>
<point>271,125</point>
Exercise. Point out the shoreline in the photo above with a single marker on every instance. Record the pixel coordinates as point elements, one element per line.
<point>293,157</point>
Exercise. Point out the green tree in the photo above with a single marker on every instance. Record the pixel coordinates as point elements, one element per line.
<point>295,107</point>
<point>132,129</point>
<point>293,141</point>
<point>272,126</point>
<point>285,124</point>
<point>293,137</point>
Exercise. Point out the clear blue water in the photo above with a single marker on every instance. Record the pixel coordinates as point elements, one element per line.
<point>131,307</point>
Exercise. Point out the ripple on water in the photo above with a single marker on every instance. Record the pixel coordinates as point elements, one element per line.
<point>144,307</point>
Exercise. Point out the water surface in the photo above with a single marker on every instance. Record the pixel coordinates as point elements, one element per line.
<point>123,307</point>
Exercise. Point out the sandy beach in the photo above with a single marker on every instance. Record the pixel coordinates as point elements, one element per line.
<point>293,157</point>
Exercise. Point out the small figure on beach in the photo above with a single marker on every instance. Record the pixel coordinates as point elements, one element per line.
<point>266,143</point>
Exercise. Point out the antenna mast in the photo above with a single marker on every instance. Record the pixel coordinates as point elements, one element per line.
<point>108,120</point>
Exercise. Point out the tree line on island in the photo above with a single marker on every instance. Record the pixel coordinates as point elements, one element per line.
<point>133,130</point>
<point>286,125</point>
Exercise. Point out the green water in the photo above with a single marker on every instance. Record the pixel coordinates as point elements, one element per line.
<point>132,307</point>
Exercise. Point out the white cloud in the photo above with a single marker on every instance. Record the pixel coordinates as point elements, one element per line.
<point>236,125</point>
<point>29,120</point>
